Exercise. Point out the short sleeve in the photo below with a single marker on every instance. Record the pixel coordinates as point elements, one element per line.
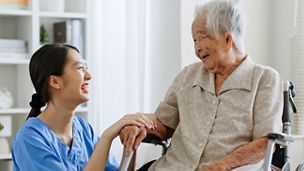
<point>89,131</point>
<point>167,110</point>
<point>30,152</point>
<point>268,107</point>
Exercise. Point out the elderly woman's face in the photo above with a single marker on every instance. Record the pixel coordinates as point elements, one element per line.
<point>208,48</point>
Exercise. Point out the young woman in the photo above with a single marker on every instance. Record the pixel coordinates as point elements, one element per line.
<point>55,139</point>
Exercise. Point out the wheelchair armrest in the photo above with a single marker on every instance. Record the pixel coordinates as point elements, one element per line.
<point>153,139</point>
<point>280,136</point>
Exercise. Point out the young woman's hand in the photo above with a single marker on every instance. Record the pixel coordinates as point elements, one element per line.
<point>137,119</point>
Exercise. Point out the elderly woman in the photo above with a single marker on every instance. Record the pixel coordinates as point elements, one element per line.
<point>217,111</point>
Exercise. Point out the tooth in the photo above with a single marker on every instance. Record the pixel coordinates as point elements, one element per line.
<point>85,86</point>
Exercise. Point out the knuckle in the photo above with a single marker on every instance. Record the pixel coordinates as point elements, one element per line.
<point>134,128</point>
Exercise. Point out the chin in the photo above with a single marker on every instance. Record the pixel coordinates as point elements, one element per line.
<point>211,70</point>
<point>85,99</point>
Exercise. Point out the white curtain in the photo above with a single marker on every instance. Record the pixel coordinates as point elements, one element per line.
<point>297,70</point>
<point>135,55</point>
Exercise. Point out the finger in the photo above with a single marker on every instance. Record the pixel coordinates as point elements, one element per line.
<point>147,120</point>
<point>138,118</point>
<point>124,139</point>
<point>141,136</point>
<point>129,144</point>
<point>122,135</point>
<point>140,123</point>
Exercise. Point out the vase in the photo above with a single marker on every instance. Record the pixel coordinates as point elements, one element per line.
<point>5,149</point>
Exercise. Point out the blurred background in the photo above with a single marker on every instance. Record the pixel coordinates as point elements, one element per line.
<point>134,49</point>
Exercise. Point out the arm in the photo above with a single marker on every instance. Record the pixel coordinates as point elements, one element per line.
<point>250,153</point>
<point>99,157</point>
<point>131,136</point>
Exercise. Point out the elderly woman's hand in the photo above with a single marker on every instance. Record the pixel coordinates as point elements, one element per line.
<point>131,137</point>
<point>135,121</point>
<point>215,167</point>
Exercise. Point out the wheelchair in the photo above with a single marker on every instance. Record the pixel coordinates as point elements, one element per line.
<point>279,159</point>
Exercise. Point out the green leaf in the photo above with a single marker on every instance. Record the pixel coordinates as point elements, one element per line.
<point>1,126</point>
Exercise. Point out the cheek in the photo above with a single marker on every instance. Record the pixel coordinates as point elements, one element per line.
<point>73,80</point>
<point>213,48</point>
<point>207,45</point>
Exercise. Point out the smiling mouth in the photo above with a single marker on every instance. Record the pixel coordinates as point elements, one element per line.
<point>205,56</point>
<point>85,87</point>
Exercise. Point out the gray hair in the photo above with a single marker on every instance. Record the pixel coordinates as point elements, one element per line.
<point>224,16</point>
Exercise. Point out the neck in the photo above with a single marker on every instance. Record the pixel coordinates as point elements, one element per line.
<point>59,118</point>
<point>236,58</point>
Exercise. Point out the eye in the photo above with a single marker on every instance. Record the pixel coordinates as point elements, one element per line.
<point>80,67</point>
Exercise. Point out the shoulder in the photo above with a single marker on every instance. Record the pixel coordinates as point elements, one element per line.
<point>266,73</point>
<point>33,135</point>
<point>85,128</point>
<point>193,68</point>
<point>266,69</point>
<point>82,124</point>
<point>190,72</point>
<point>33,129</point>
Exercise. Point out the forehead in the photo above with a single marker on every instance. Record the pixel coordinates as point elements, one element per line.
<point>73,56</point>
<point>199,25</point>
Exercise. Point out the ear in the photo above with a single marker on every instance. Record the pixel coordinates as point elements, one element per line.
<point>55,82</point>
<point>228,39</point>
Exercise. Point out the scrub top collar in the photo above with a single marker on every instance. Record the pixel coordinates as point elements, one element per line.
<point>73,152</point>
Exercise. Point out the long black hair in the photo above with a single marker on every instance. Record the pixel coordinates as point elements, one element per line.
<point>49,60</point>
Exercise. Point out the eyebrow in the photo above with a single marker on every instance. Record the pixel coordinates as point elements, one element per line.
<point>201,32</point>
<point>79,62</point>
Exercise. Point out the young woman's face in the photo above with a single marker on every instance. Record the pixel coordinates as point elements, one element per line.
<point>75,78</point>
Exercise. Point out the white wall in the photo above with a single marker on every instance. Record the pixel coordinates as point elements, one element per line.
<point>187,15</point>
<point>283,26</point>
<point>163,49</point>
<point>259,26</point>
<point>268,31</point>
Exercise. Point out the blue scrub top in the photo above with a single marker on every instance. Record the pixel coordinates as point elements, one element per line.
<point>36,147</point>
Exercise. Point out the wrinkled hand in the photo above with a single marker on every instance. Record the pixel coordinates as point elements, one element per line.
<point>214,167</point>
<point>138,120</point>
<point>131,136</point>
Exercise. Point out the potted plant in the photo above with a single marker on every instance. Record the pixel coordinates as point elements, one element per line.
<point>1,126</point>
<point>44,36</point>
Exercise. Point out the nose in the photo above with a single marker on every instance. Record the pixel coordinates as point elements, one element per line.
<point>87,75</point>
<point>198,49</point>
